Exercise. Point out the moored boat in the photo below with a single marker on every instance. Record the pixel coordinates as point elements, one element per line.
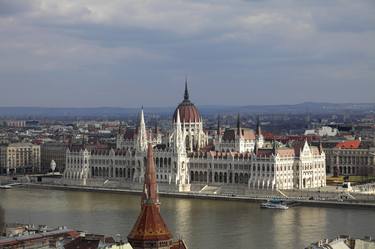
<point>5,187</point>
<point>275,204</point>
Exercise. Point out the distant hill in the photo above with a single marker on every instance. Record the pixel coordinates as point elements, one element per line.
<point>307,107</point>
<point>312,107</point>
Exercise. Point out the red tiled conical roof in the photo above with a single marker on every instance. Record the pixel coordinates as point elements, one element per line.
<point>150,226</point>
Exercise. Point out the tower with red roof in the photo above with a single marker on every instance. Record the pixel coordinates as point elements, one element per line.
<point>150,231</point>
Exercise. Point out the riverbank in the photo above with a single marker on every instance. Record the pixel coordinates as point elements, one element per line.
<point>196,195</point>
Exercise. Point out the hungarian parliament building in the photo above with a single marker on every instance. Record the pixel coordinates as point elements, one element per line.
<point>185,156</point>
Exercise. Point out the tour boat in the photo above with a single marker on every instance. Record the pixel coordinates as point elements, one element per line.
<point>5,187</point>
<point>274,203</point>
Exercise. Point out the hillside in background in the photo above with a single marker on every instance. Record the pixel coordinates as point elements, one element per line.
<point>308,107</point>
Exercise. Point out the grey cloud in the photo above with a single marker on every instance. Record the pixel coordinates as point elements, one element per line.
<point>129,53</point>
<point>12,7</point>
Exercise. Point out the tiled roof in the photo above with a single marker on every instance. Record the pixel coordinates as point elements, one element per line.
<point>188,112</point>
<point>149,226</point>
<point>285,152</point>
<point>231,134</point>
<point>354,144</point>
<point>82,243</point>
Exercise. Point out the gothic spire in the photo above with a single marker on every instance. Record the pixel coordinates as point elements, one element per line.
<point>141,132</point>
<point>178,117</point>
<point>150,193</point>
<point>218,125</point>
<point>83,141</point>
<point>238,124</point>
<point>156,127</point>
<point>186,95</point>
<point>259,132</point>
<point>141,118</point>
<point>150,230</point>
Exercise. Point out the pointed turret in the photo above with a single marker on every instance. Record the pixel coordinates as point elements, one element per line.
<point>238,124</point>
<point>259,132</point>
<point>320,147</point>
<point>83,141</point>
<point>179,135</point>
<point>178,121</point>
<point>142,118</point>
<point>259,136</point>
<point>274,146</point>
<point>150,230</point>
<point>218,125</point>
<point>306,144</point>
<point>120,128</point>
<point>150,194</point>
<point>186,94</point>
<point>141,132</point>
<point>156,129</point>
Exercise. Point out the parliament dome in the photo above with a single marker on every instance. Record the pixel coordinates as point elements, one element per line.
<point>188,111</point>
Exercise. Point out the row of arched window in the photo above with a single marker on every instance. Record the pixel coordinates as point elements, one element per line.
<point>219,177</point>
<point>127,173</point>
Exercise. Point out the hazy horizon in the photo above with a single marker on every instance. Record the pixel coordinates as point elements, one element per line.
<point>132,53</point>
<point>197,104</point>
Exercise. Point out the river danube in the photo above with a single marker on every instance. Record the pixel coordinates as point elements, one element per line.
<point>203,224</point>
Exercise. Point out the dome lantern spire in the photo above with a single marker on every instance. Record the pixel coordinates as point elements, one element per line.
<point>186,94</point>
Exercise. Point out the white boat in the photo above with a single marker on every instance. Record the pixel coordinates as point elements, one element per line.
<point>274,203</point>
<point>5,187</point>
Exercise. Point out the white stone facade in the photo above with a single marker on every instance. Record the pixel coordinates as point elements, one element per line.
<point>277,168</point>
<point>181,161</point>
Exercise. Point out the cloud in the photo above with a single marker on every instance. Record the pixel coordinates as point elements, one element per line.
<point>132,45</point>
<point>13,7</point>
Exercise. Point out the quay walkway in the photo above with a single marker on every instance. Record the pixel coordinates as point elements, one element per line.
<point>259,196</point>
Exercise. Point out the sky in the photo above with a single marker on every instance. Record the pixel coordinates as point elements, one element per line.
<point>128,53</point>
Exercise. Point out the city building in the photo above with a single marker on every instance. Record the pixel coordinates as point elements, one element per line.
<point>150,231</point>
<point>344,242</point>
<point>324,131</point>
<point>350,158</point>
<point>29,236</point>
<point>16,123</point>
<point>19,158</point>
<point>238,139</point>
<point>183,156</point>
<point>53,151</point>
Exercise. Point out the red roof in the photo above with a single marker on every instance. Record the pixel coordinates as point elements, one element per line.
<point>82,243</point>
<point>231,134</point>
<point>149,226</point>
<point>354,144</point>
<point>187,110</point>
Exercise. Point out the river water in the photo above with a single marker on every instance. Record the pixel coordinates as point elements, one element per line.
<point>203,224</point>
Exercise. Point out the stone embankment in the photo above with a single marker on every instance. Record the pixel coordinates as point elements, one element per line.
<point>328,196</point>
<point>305,198</point>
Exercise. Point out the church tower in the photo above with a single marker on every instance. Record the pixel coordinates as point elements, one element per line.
<point>150,230</point>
